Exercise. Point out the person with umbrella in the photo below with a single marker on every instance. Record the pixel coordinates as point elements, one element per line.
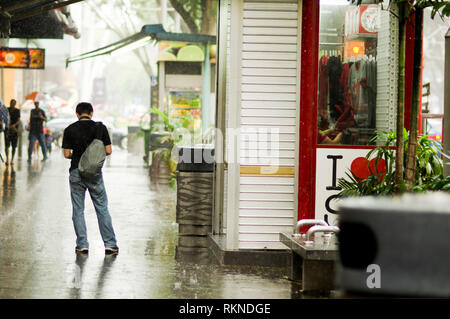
<point>37,119</point>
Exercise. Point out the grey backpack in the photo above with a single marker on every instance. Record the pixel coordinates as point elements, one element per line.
<point>93,158</point>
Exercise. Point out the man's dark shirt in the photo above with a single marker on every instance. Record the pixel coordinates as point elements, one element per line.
<point>78,136</point>
<point>36,123</point>
<point>14,116</point>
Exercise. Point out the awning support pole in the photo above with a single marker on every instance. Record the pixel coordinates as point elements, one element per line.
<point>206,91</point>
<point>446,126</point>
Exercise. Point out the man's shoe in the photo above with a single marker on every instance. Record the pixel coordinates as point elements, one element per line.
<point>80,250</point>
<point>111,250</point>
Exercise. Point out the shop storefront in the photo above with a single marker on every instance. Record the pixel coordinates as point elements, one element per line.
<point>307,84</point>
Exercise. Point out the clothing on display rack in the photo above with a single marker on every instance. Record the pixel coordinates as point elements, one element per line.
<point>323,87</point>
<point>347,91</point>
<point>336,93</point>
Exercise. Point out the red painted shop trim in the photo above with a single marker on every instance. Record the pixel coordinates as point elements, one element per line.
<point>308,109</point>
<point>421,83</point>
<point>409,60</point>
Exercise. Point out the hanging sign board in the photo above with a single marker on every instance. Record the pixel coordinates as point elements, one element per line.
<point>22,58</point>
<point>362,20</point>
<point>184,52</point>
<point>332,164</point>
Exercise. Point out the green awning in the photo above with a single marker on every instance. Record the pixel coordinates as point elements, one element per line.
<point>148,34</point>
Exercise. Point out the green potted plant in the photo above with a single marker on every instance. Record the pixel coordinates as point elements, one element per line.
<point>165,134</point>
<point>381,181</point>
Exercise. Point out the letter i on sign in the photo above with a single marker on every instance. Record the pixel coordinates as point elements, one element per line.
<point>333,186</point>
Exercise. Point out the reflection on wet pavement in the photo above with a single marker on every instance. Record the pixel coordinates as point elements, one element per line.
<point>37,241</point>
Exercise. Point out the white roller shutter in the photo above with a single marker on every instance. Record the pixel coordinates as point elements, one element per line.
<point>269,100</point>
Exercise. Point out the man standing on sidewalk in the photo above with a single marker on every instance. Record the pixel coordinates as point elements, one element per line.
<point>37,119</point>
<point>77,138</point>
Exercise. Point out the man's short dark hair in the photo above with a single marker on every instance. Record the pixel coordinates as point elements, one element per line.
<point>84,108</point>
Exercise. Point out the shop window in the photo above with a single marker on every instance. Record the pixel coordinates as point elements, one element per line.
<point>186,68</point>
<point>347,87</point>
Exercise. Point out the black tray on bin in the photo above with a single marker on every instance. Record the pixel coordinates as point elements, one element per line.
<point>199,158</point>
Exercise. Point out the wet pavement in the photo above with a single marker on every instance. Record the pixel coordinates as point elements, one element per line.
<point>37,241</point>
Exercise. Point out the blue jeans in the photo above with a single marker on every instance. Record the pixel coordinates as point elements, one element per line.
<point>99,198</point>
<point>32,137</point>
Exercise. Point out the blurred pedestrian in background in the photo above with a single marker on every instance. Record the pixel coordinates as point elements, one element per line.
<point>4,120</point>
<point>11,133</point>
<point>49,139</point>
<point>37,119</point>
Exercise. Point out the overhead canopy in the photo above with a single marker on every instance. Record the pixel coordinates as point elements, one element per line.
<point>149,33</point>
<point>36,19</point>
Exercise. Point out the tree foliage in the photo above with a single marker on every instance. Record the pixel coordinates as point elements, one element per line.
<point>408,9</point>
<point>428,172</point>
<point>439,7</point>
<point>199,15</point>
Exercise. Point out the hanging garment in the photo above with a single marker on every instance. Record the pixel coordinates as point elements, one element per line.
<point>335,89</point>
<point>372,92</point>
<point>344,76</point>
<point>345,117</point>
<point>322,108</point>
<point>357,82</point>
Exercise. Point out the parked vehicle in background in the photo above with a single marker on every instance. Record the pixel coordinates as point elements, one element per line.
<point>118,135</point>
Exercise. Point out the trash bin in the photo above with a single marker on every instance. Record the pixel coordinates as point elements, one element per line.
<point>195,193</point>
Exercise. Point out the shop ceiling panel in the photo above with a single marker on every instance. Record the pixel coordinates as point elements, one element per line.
<point>43,26</point>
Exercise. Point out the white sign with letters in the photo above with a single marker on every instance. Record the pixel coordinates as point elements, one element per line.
<point>332,164</point>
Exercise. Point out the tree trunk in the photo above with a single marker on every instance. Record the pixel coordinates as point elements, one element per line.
<point>208,18</point>
<point>185,15</point>
<point>412,144</point>
<point>400,147</point>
